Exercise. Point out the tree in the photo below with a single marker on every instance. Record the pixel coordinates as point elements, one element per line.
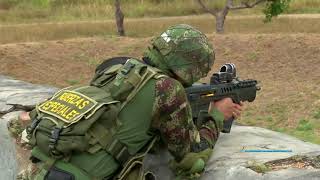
<point>272,8</point>
<point>119,18</point>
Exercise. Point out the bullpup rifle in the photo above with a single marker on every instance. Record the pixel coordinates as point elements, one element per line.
<point>222,84</point>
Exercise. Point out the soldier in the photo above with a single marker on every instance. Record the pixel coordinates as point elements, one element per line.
<point>104,130</point>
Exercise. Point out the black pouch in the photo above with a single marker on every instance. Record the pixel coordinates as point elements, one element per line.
<point>55,173</point>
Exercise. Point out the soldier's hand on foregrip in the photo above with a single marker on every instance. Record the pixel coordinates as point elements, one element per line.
<point>227,107</point>
<point>230,111</point>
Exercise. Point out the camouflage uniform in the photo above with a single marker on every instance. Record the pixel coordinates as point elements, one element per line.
<point>174,121</point>
<point>185,55</point>
<point>16,126</point>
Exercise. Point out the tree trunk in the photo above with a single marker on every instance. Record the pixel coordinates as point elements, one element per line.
<point>119,18</point>
<point>220,19</point>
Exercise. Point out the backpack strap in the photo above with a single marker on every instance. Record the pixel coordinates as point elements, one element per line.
<point>111,62</point>
<point>139,77</point>
<point>31,129</point>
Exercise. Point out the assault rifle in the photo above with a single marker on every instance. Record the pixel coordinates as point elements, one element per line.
<point>222,84</point>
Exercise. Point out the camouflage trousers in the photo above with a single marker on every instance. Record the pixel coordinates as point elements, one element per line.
<point>16,127</point>
<point>29,173</point>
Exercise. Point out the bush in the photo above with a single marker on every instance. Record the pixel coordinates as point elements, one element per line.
<point>304,125</point>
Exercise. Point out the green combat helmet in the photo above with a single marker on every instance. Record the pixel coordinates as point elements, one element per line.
<point>182,52</point>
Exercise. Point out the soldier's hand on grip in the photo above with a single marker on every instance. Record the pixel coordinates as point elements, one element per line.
<point>227,107</point>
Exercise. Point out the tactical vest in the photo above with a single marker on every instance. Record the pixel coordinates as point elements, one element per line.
<point>78,123</point>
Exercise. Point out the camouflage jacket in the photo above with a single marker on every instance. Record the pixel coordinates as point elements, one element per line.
<point>173,119</point>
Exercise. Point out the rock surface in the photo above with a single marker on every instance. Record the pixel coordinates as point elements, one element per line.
<point>15,94</point>
<point>227,163</point>
<point>8,165</point>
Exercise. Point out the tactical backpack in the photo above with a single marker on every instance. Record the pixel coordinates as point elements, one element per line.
<point>84,119</point>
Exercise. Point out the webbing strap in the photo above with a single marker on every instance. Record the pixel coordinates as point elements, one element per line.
<point>127,67</point>
<point>136,159</point>
<point>103,138</point>
<point>134,79</point>
<point>119,151</point>
<point>31,130</point>
<point>55,133</point>
<point>101,79</point>
<point>150,73</point>
<point>100,137</point>
<point>115,148</point>
<point>160,76</point>
<point>101,134</point>
<point>48,162</point>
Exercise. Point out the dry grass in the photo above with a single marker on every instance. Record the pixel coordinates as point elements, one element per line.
<point>285,64</point>
<point>26,11</point>
<point>146,27</point>
<point>305,6</point>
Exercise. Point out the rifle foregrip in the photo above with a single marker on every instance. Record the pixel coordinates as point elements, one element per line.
<point>227,125</point>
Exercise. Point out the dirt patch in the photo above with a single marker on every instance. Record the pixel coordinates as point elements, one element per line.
<point>268,58</point>
<point>297,162</point>
<point>60,63</point>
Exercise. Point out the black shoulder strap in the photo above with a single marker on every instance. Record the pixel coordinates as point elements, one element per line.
<point>110,62</point>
